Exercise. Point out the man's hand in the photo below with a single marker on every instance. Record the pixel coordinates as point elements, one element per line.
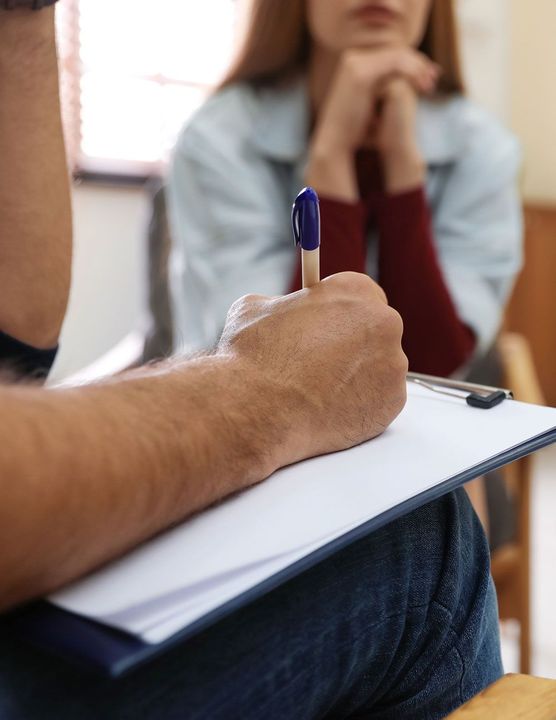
<point>332,357</point>
<point>87,473</point>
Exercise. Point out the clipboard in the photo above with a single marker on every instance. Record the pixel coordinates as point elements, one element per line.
<point>113,651</point>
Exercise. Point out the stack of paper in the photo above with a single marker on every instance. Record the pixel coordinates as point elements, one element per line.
<point>177,578</point>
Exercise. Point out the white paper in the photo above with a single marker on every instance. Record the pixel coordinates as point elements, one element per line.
<point>173,580</point>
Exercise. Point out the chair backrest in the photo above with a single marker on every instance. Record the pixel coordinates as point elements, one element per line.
<point>159,341</point>
<point>513,571</point>
<point>518,368</point>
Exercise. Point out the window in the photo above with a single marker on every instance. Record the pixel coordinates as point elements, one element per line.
<point>132,73</point>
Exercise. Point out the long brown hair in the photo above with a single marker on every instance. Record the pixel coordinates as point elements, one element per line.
<point>276,44</point>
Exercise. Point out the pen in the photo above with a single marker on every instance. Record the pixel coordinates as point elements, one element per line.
<point>306,233</point>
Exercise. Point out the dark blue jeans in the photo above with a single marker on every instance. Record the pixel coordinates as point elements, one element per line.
<point>402,624</point>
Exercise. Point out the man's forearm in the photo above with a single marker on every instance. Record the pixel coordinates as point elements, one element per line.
<point>35,213</point>
<point>85,474</point>
<point>88,473</point>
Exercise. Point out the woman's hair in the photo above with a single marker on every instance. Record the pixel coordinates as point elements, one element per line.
<point>276,44</point>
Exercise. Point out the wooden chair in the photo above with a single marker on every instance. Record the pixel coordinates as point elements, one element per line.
<point>511,562</point>
<point>513,696</point>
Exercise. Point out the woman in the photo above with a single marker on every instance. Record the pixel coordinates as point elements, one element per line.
<point>363,100</point>
<point>416,188</point>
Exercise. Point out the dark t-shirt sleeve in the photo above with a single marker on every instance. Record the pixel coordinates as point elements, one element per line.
<point>25,360</point>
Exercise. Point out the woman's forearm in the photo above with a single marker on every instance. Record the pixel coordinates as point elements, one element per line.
<point>435,339</point>
<point>332,173</point>
<point>35,210</point>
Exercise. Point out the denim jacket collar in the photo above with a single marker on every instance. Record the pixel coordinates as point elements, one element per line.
<point>282,119</point>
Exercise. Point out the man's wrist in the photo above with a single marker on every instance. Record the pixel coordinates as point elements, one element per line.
<point>269,417</point>
<point>241,428</point>
<point>262,411</point>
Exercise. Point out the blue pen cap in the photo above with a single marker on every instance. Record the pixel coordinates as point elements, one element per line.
<point>306,219</point>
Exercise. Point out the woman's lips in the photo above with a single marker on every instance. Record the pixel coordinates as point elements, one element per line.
<point>375,14</point>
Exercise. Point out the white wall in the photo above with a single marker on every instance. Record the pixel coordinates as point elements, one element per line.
<point>533,107</point>
<point>109,269</point>
<point>486,51</point>
<point>510,59</point>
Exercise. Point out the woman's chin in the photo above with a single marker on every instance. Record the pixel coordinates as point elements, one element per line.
<point>375,38</point>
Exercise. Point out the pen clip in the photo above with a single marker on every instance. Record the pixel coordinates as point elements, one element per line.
<point>295,222</point>
<point>477,396</point>
<point>485,402</point>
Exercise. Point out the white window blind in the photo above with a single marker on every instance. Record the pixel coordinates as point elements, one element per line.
<point>133,71</point>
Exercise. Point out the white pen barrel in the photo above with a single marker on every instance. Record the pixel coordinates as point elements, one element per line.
<point>310,267</point>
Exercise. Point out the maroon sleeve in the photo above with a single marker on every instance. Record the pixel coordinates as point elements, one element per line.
<point>435,340</point>
<point>343,244</point>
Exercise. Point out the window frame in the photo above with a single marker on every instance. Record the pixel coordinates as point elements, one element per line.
<point>85,168</point>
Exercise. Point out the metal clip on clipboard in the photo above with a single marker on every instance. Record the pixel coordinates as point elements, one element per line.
<point>478,396</point>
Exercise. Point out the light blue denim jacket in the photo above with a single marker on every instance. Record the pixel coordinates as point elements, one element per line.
<point>240,161</point>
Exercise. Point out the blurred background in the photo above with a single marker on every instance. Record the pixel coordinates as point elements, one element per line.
<point>132,73</point>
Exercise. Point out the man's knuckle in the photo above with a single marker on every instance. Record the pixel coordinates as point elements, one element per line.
<point>348,282</point>
<point>251,298</point>
<point>387,319</point>
<point>247,303</point>
<point>360,282</point>
<point>397,322</point>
